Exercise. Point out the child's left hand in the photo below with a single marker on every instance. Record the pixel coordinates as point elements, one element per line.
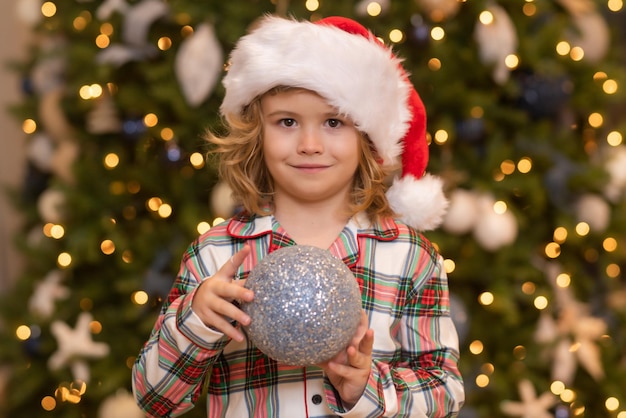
<point>349,370</point>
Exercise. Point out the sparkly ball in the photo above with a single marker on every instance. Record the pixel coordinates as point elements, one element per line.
<point>306,307</point>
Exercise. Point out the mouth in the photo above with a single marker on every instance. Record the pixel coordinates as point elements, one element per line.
<point>310,168</point>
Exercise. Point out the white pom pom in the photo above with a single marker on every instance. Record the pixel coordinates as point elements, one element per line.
<point>462,213</point>
<point>494,230</point>
<point>593,210</point>
<point>420,203</point>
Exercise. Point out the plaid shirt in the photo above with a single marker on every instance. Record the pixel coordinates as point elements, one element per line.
<point>404,292</point>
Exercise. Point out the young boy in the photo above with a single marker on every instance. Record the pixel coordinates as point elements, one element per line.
<point>318,114</point>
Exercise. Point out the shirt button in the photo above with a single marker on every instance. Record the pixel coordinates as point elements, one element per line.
<point>317,399</point>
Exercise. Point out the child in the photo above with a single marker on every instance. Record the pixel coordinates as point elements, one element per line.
<point>317,115</point>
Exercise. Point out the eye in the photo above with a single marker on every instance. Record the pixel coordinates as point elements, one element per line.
<point>287,122</point>
<point>334,123</point>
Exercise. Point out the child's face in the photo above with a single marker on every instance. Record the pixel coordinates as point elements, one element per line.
<point>311,152</point>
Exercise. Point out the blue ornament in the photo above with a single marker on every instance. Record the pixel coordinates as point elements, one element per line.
<point>306,307</point>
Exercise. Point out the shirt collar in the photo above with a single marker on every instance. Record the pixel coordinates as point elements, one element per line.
<point>345,247</point>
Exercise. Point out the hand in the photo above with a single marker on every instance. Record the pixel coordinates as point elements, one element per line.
<point>349,370</point>
<point>213,301</point>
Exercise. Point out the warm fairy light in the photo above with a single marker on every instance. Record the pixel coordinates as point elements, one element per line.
<point>595,120</point>
<point>64,260</point>
<point>441,136</point>
<point>482,380</point>
<point>476,347</point>
<point>614,138</point>
<point>553,250</point>
<point>197,160</point>
<point>568,395</point>
<point>507,167</point>
<point>203,227</point>
<point>167,134</point>
<point>57,231</point>
<point>47,229</point>
<point>111,160</point>
<point>611,403</point>
<point>622,414</point>
<point>153,203</point>
<point>609,244</point>
<point>48,9</point>
<point>29,126</point>
<point>528,288</point>
<point>486,298</point>
<point>577,53</point>
<point>23,332</point>
<point>613,270</point>
<point>563,48</point>
<point>374,8</point>
<point>610,86</point>
<point>92,91</point>
<point>529,9</point>
<point>500,207</point>
<point>150,120</point>
<point>165,210</point>
<point>525,165</point>
<point>582,228</point>
<point>541,302</point>
<point>139,298</point>
<point>511,61</point>
<point>487,368</point>
<point>95,327</point>
<point>563,280</point>
<point>106,29</point>
<point>107,247</point>
<point>102,41</point>
<point>81,21</point>
<point>434,64</point>
<point>186,30</point>
<point>437,33</point>
<point>218,221</point>
<point>312,5</point>
<point>557,387</point>
<point>615,6</point>
<point>486,17</point>
<point>164,43</point>
<point>48,403</point>
<point>396,36</point>
<point>127,256</point>
<point>560,234</point>
<point>449,265</point>
<point>519,352</point>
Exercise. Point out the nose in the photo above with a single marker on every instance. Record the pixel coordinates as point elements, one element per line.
<point>310,142</point>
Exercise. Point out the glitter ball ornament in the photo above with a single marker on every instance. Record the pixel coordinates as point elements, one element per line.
<point>306,307</point>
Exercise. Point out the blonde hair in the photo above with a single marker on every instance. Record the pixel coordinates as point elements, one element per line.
<point>241,165</point>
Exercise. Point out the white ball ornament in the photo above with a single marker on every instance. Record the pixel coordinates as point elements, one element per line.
<point>462,212</point>
<point>616,168</point>
<point>40,151</point>
<point>593,210</point>
<point>51,206</point>
<point>493,229</point>
<point>306,307</point>
<point>120,405</point>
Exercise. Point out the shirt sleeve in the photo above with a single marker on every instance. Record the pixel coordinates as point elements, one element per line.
<point>168,375</point>
<point>425,381</point>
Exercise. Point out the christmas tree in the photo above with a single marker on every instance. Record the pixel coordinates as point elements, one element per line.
<point>524,101</point>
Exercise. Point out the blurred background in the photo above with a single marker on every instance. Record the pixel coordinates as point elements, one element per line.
<point>106,182</point>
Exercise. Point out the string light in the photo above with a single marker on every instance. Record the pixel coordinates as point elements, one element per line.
<point>374,8</point>
<point>48,9</point>
<point>64,260</point>
<point>541,302</point>
<point>486,298</point>
<point>139,297</point>
<point>482,380</point>
<point>197,160</point>
<point>449,265</point>
<point>614,138</point>
<point>437,33</point>
<point>203,227</point>
<point>476,347</point>
<point>29,126</point>
<point>150,120</point>
<point>111,160</point>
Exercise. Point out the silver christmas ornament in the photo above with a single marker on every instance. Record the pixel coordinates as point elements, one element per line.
<point>306,307</point>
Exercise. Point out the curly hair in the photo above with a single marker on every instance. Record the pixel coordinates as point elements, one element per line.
<point>241,165</point>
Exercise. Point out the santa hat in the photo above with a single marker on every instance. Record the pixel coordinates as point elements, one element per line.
<point>346,64</point>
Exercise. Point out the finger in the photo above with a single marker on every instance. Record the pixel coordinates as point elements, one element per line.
<point>223,325</point>
<point>229,269</point>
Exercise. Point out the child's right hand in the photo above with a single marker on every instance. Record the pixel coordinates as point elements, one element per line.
<point>213,301</point>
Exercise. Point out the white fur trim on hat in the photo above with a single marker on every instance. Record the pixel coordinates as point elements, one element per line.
<point>357,75</point>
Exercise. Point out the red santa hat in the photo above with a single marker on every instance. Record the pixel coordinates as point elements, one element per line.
<point>346,64</point>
